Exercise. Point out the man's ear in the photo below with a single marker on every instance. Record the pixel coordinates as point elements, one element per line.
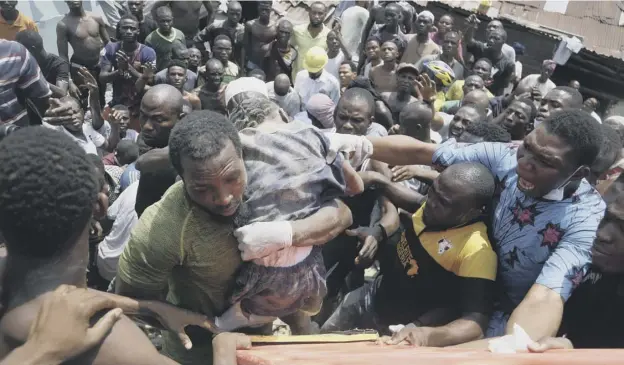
<point>100,206</point>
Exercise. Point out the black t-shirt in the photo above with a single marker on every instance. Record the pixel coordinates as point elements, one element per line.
<point>449,273</point>
<point>502,67</point>
<point>54,68</point>
<point>593,317</point>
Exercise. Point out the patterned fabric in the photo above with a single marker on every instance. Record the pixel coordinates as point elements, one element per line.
<point>280,291</point>
<point>20,75</point>
<point>537,241</point>
<point>288,179</point>
<point>288,167</point>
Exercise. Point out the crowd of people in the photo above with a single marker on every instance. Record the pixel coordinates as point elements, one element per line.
<point>372,168</point>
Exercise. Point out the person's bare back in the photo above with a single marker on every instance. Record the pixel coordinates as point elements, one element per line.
<point>126,343</point>
<point>86,34</point>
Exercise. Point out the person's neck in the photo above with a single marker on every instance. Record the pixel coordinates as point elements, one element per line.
<point>211,86</point>
<point>425,136</point>
<point>41,56</point>
<point>447,58</point>
<point>129,46</point>
<point>402,95</point>
<point>27,278</point>
<point>165,32</point>
<point>333,53</point>
<point>422,37</point>
<point>394,29</point>
<point>10,15</point>
<point>375,61</point>
<point>77,12</point>
<point>230,24</point>
<point>263,21</point>
<point>389,65</point>
<point>193,68</point>
<point>542,79</point>
<point>283,46</point>
<point>315,28</point>
<point>497,52</point>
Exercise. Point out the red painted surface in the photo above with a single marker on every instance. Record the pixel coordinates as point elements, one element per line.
<point>372,354</point>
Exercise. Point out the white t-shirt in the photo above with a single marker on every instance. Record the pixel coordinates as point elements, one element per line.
<point>532,81</point>
<point>91,141</point>
<point>125,218</point>
<point>353,21</point>
<point>333,64</point>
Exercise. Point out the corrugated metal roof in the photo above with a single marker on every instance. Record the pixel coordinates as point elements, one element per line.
<point>598,36</point>
<point>595,21</point>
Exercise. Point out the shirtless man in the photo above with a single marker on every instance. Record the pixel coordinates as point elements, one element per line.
<point>211,93</point>
<point>176,77</point>
<point>186,16</point>
<point>406,76</point>
<point>259,33</point>
<point>86,32</point>
<point>229,26</point>
<point>50,248</point>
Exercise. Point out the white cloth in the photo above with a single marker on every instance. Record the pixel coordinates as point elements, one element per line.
<point>353,21</point>
<point>333,64</point>
<point>532,81</point>
<point>91,141</point>
<point>566,47</point>
<point>518,70</point>
<point>244,84</point>
<point>291,102</point>
<point>125,217</point>
<point>443,132</point>
<point>509,52</point>
<point>326,84</point>
<point>597,117</point>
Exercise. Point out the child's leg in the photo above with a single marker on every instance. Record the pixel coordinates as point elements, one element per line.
<point>354,182</point>
<point>300,324</point>
<point>235,318</point>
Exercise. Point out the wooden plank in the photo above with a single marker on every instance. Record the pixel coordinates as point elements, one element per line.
<point>324,338</point>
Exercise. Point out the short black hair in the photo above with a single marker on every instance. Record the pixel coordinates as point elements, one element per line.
<point>531,104</point>
<point>483,59</point>
<point>351,64</point>
<point>575,96</point>
<point>222,37</point>
<point>129,16</point>
<point>477,177</point>
<point>121,108</point>
<point>579,130</point>
<point>47,191</point>
<point>609,150</point>
<point>357,93</point>
<point>100,172</point>
<point>29,39</point>
<point>201,135</point>
<point>257,71</point>
<point>489,132</point>
<point>177,63</point>
<point>127,151</point>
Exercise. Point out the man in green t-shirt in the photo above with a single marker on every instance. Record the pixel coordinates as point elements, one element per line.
<point>162,39</point>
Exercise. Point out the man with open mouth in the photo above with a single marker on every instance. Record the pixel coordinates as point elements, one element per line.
<point>543,223</point>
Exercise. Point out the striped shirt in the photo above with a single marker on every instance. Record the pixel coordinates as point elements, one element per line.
<point>19,74</point>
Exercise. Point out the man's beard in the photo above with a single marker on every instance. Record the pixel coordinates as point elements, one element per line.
<point>239,219</point>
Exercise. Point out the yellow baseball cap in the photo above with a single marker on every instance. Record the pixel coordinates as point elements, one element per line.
<point>315,59</point>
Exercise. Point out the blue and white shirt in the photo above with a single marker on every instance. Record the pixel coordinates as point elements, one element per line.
<point>537,241</point>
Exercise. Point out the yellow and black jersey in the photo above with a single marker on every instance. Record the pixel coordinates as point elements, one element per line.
<point>427,269</point>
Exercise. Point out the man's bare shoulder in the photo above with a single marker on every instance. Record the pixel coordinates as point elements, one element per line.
<point>96,17</point>
<point>126,343</point>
